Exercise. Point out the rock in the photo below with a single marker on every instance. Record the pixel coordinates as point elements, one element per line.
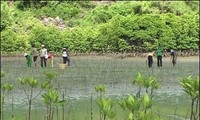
<point>58,22</point>
<point>57,18</point>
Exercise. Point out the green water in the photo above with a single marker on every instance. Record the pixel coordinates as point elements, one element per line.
<point>77,84</point>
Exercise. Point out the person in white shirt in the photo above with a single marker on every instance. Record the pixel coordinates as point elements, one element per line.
<point>65,56</point>
<point>43,55</point>
<point>150,59</point>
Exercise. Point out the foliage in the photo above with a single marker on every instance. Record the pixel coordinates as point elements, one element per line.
<point>7,86</point>
<point>100,88</point>
<point>49,77</point>
<point>64,10</point>
<point>29,85</point>
<point>48,36</point>
<point>123,26</point>
<point>147,82</point>
<point>51,99</point>
<point>139,107</point>
<point>105,104</point>
<point>191,87</point>
<point>2,74</point>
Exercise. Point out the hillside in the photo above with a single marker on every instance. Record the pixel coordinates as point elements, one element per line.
<point>91,26</point>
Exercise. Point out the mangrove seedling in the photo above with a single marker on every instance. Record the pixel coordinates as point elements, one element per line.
<point>51,99</point>
<point>50,75</point>
<point>2,75</point>
<point>138,81</point>
<point>152,83</point>
<point>191,87</point>
<point>105,104</point>
<point>6,87</point>
<point>28,85</point>
<point>100,89</point>
<point>146,82</point>
<point>138,107</point>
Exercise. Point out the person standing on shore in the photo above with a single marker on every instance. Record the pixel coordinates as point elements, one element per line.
<point>43,54</point>
<point>34,54</point>
<point>159,54</point>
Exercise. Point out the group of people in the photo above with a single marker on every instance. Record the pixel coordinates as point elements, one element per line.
<point>159,55</point>
<point>44,56</point>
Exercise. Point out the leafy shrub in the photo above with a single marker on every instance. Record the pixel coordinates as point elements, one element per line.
<point>118,27</point>
<point>8,40</point>
<point>49,36</point>
<point>63,10</point>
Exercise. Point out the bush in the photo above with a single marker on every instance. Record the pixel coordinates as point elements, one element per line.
<point>118,27</point>
<point>63,10</point>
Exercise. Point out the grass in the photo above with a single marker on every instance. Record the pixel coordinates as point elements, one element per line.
<point>78,81</point>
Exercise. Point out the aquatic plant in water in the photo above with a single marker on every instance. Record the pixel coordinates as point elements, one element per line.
<point>51,99</point>
<point>29,84</point>
<point>105,104</point>
<point>191,87</point>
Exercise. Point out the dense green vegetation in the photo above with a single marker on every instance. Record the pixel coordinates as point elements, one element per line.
<point>120,26</point>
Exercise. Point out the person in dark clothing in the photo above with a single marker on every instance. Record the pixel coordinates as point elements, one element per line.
<point>65,56</point>
<point>34,53</point>
<point>159,54</point>
<point>150,59</point>
<point>173,57</point>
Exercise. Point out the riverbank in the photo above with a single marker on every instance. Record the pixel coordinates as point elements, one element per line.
<point>114,55</point>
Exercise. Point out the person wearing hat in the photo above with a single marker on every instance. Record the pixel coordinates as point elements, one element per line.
<point>29,59</point>
<point>150,59</point>
<point>65,56</point>
<point>43,54</point>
